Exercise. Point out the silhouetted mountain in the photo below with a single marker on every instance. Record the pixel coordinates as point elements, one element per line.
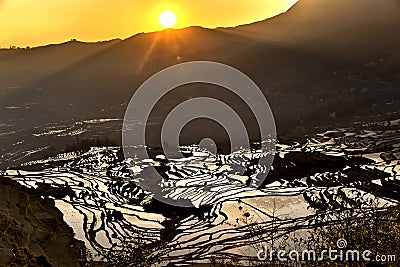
<point>322,63</point>
<point>337,21</point>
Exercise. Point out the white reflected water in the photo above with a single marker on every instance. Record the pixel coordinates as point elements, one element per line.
<point>97,193</point>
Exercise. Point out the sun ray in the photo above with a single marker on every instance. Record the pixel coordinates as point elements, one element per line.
<point>147,55</point>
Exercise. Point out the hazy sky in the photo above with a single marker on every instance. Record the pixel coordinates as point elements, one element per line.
<point>39,22</point>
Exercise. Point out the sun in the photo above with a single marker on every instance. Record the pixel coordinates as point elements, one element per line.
<point>167,19</point>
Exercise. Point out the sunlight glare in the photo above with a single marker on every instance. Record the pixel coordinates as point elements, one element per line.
<point>167,19</point>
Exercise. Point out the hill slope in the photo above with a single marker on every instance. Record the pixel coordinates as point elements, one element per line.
<point>321,64</point>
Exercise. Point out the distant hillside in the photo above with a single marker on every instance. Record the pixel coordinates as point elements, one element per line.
<point>321,64</point>
<point>318,19</point>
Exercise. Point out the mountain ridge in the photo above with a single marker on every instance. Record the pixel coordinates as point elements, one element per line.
<point>331,78</point>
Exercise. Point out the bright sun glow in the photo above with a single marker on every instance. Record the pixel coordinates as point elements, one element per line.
<point>167,19</point>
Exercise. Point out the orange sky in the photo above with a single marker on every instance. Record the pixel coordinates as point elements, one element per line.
<point>39,22</point>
